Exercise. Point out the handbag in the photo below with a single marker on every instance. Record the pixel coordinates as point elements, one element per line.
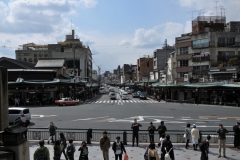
<point>184,135</point>
<point>167,156</point>
<point>126,157</point>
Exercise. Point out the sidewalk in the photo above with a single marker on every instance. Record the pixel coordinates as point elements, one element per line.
<point>136,153</point>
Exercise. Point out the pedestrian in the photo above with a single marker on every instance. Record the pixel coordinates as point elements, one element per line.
<point>187,135</point>
<point>105,145</point>
<point>222,140</point>
<point>63,144</point>
<point>152,152</point>
<point>205,148</point>
<point>161,129</point>
<point>167,148</point>
<point>195,137</point>
<point>118,148</point>
<point>151,130</point>
<point>236,135</point>
<point>83,151</point>
<point>70,150</point>
<point>135,127</point>
<point>41,152</point>
<point>160,144</point>
<point>57,150</point>
<point>52,131</point>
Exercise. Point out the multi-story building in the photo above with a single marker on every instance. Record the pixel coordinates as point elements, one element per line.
<point>160,58</point>
<point>211,43</point>
<point>144,67</point>
<point>129,72</point>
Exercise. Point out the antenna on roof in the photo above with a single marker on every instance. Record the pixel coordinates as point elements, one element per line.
<point>71,24</point>
<point>216,6</point>
<point>194,11</point>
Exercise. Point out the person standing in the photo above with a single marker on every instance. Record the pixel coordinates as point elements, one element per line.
<point>105,145</point>
<point>83,151</point>
<point>57,150</point>
<point>152,152</point>
<point>70,150</point>
<point>222,140</point>
<point>160,144</point>
<point>41,152</point>
<point>63,144</point>
<point>188,134</point>
<point>118,148</point>
<point>52,131</point>
<point>236,135</point>
<point>135,127</point>
<point>167,147</point>
<point>195,137</point>
<point>205,148</point>
<point>161,129</point>
<point>151,130</point>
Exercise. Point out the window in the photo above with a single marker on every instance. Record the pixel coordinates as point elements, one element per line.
<point>201,43</point>
<point>35,55</point>
<point>14,111</point>
<point>183,63</point>
<point>182,74</point>
<point>25,59</point>
<point>183,50</point>
<point>226,42</point>
<point>30,59</point>
<point>35,59</point>
<point>25,111</point>
<point>225,55</point>
<point>155,63</point>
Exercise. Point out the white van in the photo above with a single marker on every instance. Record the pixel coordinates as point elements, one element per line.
<point>125,95</point>
<point>15,112</point>
<point>102,90</point>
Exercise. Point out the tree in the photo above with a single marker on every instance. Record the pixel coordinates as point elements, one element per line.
<point>233,62</point>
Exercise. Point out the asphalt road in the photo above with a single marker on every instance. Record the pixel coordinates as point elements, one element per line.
<point>103,113</point>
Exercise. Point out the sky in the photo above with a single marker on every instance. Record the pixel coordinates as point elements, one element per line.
<point>117,31</point>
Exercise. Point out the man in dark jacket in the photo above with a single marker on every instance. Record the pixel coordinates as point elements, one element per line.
<point>205,149</point>
<point>118,148</point>
<point>236,135</point>
<point>161,129</point>
<point>167,147</point>
<point>151,130</point>
<point>135,127</point>
<point>222,140</point>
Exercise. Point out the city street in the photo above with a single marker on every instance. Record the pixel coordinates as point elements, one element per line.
<point>103,113</point>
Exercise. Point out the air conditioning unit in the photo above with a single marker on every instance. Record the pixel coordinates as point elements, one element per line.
<point>186,78</point>
<point>201,79</point>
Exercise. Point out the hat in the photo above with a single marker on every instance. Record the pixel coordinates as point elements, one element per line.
<point>194,125</point>
<point>151,123</point>
<point>238,123</point>
<point>105,132</point>
<point>117,137</point>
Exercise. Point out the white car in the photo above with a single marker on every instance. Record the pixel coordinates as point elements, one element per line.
<point>125,95</point>
<point>102,90</point>
<point>112,95</point>
<point>16,112</point>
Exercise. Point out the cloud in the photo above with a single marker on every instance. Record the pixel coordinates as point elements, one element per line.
<point>89,3</point>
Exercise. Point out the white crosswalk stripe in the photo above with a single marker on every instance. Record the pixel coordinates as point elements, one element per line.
<point>122,101</point>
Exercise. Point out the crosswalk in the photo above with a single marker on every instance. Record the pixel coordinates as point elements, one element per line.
<point>120,101</point>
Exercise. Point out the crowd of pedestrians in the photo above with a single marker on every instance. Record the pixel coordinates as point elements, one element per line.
<point>166,148</point>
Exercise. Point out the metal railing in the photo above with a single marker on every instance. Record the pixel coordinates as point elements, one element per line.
<point>176,136</point>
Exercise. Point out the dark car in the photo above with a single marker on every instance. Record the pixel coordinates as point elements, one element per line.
<point>142,95</point>
<point>135,95</point>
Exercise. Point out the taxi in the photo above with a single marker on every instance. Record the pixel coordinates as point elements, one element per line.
<point>66,101</point>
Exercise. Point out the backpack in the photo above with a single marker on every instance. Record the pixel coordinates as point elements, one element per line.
<point>70,151</point>
<point>202,145</point>
<point>167,156</point>
<point>41,154</point>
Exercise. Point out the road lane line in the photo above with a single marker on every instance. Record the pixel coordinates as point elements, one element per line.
<point>86,119</point>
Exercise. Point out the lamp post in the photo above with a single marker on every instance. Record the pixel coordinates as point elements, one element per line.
<point>74,73</point>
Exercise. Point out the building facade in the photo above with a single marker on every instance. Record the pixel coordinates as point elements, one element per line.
<point>144,67</point>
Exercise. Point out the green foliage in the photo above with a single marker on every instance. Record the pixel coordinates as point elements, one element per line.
<point>233,62</point>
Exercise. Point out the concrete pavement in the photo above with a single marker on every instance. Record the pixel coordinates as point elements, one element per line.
<point>136,153</point>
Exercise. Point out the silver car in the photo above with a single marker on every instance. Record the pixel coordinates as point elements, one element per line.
<point>16,112</point>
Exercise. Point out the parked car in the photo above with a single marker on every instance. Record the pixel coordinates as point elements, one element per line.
<point>66,101</point>
<point>112,95</point>
<point>125,95</point>
<point>142,95</point>
<point>111,89</point>
<point>16,112</point>
<point>135,95</point>
<point>102,90</point>
<point>129,91</point>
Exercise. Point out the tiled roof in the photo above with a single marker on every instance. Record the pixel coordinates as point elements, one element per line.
<point>17,64</point>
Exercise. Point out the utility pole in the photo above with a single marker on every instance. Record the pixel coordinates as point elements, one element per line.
<point>74,73</point>
<point>166,69</point>
<point>99,75</point>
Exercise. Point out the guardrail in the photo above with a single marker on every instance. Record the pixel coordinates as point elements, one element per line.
<point>89,135</point>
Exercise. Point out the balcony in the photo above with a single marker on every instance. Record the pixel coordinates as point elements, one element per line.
<point>226,57</point>
<point>184,69</point>
<point>201,59</point>
<point>183,57</point>
<point>225,44</point>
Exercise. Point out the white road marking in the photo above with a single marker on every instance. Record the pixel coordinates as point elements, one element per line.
<point>100,101</point>
<point>107,101</point>
<point>86,119</point>
<point>221,118</point>
<point>41,116</point>
<point>186,117</point>
<point>127,101</point>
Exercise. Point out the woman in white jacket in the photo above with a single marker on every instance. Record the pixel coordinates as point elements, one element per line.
<point>195,137</point>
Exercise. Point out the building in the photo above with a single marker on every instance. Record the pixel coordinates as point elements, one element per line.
<point>212,43</point>
<point>129,72</point>
<point>159,61</point>
<point>144,67</point>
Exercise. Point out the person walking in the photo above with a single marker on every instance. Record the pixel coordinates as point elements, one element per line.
<point>105,145</point>
<point>41,152</point>
<point>118,148</point>
<point>222,140</point>
<point>167,147</point>
<point>161,129</point>
<point>57,150</point>
<point>52,131</point>
<point>188,134</point>
<point>70,150</point>
<point>63,144</point>
<point>160,144</point>
<point>236,135</point>
<point>83,151</point>
<point>151,130</point>
<point>205,148</point>
<point>152,152</point>
<point>195,137</point>
<point>135,127</point>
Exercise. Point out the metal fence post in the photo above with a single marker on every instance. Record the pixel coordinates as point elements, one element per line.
<point>89,136</point>
<point>125,138</point>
